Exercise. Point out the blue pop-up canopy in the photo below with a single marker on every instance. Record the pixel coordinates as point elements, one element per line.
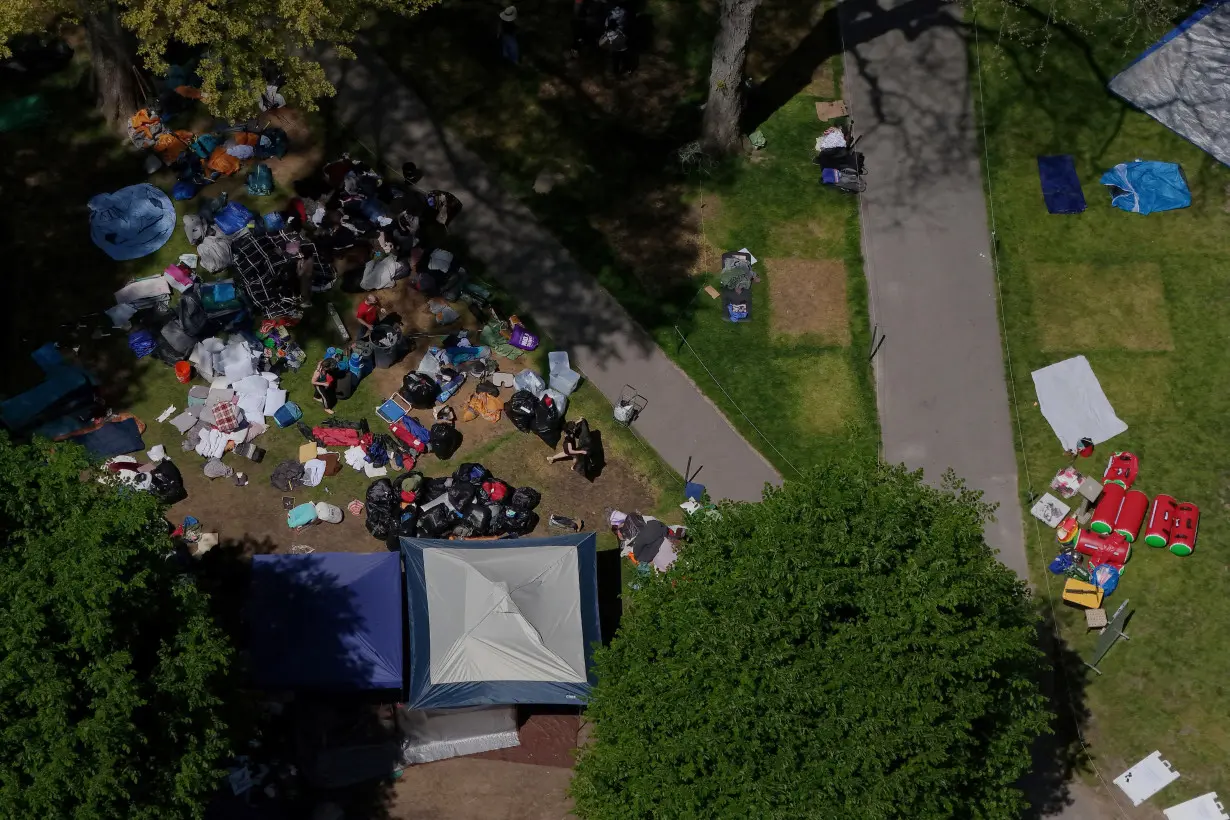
<point>327,621</point>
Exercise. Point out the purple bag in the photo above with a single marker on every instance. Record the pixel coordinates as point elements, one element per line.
<point>522,338</point>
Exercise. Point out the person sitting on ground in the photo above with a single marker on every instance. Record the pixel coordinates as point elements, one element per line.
<point>577,439</point>
<point>368,313</point>
<point>325,382</point>
<point>444,206</point>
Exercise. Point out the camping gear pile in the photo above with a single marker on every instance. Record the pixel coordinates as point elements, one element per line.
<point>1093,559</point>
<point>840,165</point>
<point>471,503</point>
<point>645,541</point>
<point>736,280</point>
<point>202,159</point>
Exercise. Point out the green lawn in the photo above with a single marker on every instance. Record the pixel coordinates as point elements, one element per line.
<point>652,229</point>
<point>1142,297</point>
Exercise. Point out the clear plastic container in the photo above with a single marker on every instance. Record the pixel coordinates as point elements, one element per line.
<point>565,381</point>
<point>558,361</point>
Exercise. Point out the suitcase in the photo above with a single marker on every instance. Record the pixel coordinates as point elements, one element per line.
<point>250,451</point>
<point>287,414</point>
<point>301,516</point>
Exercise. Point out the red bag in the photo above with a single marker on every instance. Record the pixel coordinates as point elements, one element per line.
<point>407,496</point>
<point>336,436</point>
<point>496,491</point>
<point>406,437</point>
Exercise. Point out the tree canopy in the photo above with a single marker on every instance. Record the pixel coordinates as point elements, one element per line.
<point>850,647</point>
<point>109,659</point>
<point>238,39</point>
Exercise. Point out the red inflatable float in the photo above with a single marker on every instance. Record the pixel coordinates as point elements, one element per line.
<point>1183,534</point>
<point>1161,521</point>
<point>1111,549</point>
<point>1122,469</point>
<point>1107,510</point>
<point>1131,514</point>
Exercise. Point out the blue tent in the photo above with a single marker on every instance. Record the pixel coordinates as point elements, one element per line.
<point>327,621</point>
<point>1145,187</point>
<point>132,222</point>
<point>501,622</point>
<point>53,408</point>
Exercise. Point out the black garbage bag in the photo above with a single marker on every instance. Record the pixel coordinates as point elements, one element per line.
<point>479,518</point>
<point>472,473</point>
<point>461,495</point>
<point>520,410</point>
<point>524,499</point>
<point>547,423</point>
<point>520,522</point>
<point>408,525</point>
<point>419,389</point>
<point>191,312</point>
<point>287,476</point>
<point>410,481</point>
<point>436,522</point>
<point>166,483</point>
<point>432,488</point>
<point>381,503</point>
<point>445,439</point>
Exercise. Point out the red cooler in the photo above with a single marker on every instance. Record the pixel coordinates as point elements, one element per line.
<point>1107,510</point>
<point>1161,521</point>
<point>1131,514</point>
<point>1183,535</point>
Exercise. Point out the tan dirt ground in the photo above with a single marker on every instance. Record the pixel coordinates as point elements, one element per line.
<point>808,298</point>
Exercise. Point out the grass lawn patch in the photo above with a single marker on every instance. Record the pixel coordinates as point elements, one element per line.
<point>1086,307</point>
<point>595,158</point>
<point>808,297</point>
<point>1115,280</point>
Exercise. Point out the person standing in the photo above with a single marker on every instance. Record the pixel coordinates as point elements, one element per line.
<point>368,314</point>
<point>510,48</point>
<point>615,40</point>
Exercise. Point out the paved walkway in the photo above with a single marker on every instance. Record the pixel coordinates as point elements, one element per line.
<point>568,304</point>
<point>940,384</point>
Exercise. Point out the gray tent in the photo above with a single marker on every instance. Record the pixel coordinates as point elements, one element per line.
<point>501,622</point>
<point>1183,80</point>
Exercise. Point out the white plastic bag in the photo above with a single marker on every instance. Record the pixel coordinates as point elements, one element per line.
<point>531,381</point>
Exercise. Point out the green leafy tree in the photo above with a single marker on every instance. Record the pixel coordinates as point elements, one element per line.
<point>238,39</point>
<point>847,648</point>
<point>110,664</point>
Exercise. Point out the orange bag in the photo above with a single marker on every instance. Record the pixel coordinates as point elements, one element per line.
<point>171,144</point>
<point>221,162</point>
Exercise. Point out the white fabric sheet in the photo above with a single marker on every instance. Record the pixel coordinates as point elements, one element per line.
<point>274,399</point>
<point>1071,399</point>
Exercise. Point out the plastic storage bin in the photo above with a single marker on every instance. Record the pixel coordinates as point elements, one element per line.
<point>565,381</point>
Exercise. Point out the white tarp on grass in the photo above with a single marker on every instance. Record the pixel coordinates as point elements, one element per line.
<point>1071,399</point>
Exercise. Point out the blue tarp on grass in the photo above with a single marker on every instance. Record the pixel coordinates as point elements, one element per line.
<point>1061,187</point>
<point>1147,187</point>
<point>132,222</point>
<point>327,621</point>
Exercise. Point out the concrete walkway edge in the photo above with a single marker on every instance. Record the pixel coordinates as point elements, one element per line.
<point>603,340</point>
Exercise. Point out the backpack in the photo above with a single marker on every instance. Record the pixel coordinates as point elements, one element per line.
<point>260,181</point>
<point>472,473</point>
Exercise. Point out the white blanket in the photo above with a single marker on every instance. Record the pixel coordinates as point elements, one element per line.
<point>1071,399</point>
<point>274,399</point>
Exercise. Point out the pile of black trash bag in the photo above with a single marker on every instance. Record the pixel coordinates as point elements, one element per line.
<point>540,416</point>
<point>471,503</point>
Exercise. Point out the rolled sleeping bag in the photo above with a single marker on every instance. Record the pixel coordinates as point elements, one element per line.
<point>1183,535</point>
<point>1161,521</point>
<point>1131,514</point>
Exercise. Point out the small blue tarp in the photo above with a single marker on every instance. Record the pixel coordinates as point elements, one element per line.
<point>1147,187</point>
<point>327,621</point>
<point>232,218</point>
<point>115,438</point>
<point>132,222</point>
<point>1061,187</point>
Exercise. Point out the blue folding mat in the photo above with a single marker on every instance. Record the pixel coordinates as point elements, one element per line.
<point>115,438</point>
<point>327,622</point>
<point>1061,187</point>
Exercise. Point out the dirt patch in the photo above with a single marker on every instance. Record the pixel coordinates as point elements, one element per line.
<point>1139,392</point>
<point>808,297</point>
<point>655,235</point>
<point>1092,307</point>
<point>823,81</point>
<point>470,788</point>
<point>546,740</point>
<point>706,215</point>
<point>306,153</point>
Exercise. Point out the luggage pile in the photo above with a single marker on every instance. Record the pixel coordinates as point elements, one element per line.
<point>471,503</point>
